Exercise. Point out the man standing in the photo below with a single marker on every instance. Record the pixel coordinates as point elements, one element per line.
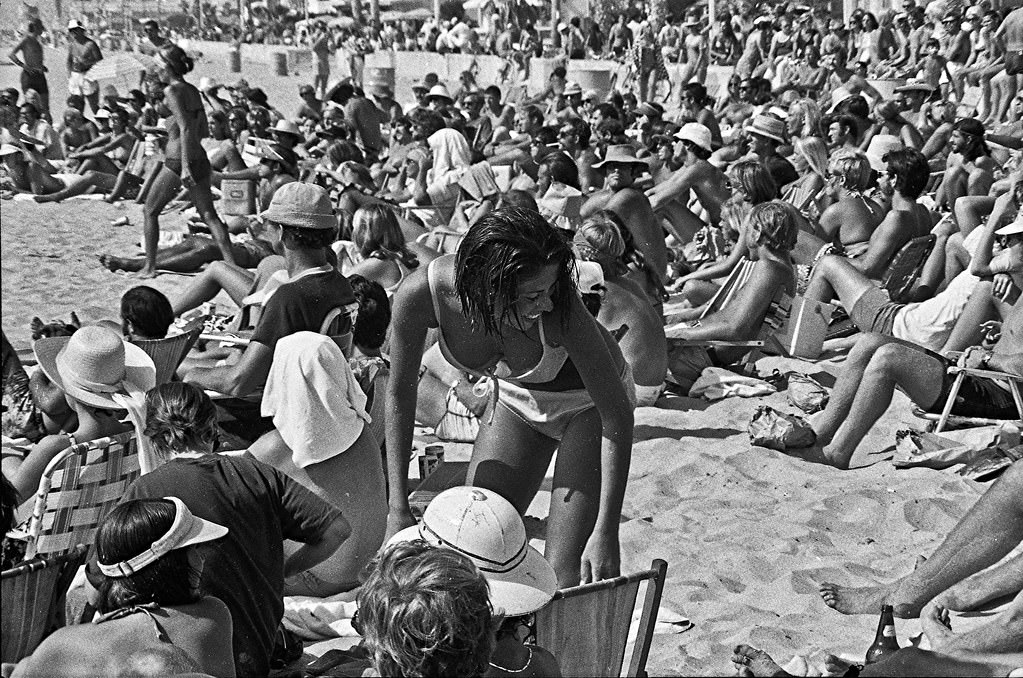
<point>82,54</point>
<point>320,47</point>
<point>33,72</point>
<point>1010,32</point>
<point>154,42</point>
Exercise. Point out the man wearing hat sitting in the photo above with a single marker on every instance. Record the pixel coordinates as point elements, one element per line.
<point>302,219</point>
<point>766,134</point>
<point>82,54</point>
<point>621,168</point>
<point>670,198</point>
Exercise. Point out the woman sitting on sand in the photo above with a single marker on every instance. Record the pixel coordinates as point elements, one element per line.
<point>149,564</point>
<point>625,310</point>
<point>93,368</point>
<point>769,237</point>
<point>507,311</point>
<point>322,439</point>
<point>378,250</point>
<point>109,152</point>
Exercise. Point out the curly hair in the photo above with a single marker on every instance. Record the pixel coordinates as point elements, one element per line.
<point>776,220</point>
<point>425,611</point>
<point>497,253</point>
<point>375,231</point>
<point>754,180</point>
<point>128,530</point>
<point>180,417</point>
<point>852,168</point>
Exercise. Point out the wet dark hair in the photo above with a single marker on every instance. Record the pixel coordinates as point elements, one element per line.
<point>910,169</point>
<point>148,311</point>
<point>128,530</point>
<point>562,169</point>
<point>498,251</point>
<point>374,312</point>
<point>177,61</point>
<point>180,417</point>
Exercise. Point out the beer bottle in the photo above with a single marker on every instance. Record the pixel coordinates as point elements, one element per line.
<point>885,643</point>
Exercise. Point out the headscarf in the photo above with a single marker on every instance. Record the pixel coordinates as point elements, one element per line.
<point>450,152</point>
<point>314,399</point>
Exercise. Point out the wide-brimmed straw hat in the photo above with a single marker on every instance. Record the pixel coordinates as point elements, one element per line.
<point>287,127</point>
<point>769,127</point>
<point>186,530</point>
<point>94,364</point>
<point>696,133</point>
<point>1013,228</point>
<point>880,145</point>
<point>485,527</point>
<point>439,91</point>
<point>621,154</point>
<point>301,205</point>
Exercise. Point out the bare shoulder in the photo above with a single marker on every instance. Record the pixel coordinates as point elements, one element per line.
<point>544,663</point>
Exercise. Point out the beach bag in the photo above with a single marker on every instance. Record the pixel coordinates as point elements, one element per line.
<point>806,393</point>
<point>686,364</point>
<point>779,431</point>
<point>458,423</point>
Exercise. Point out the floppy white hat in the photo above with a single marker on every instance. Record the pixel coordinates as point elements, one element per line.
<point>287,127</point>
<point>880,145</point>
<point>94,364</point>
<point>1013,228</point>
<point>439,91</point>
<point>485,527</point>
<point>186,530</point>
<point>622,154</point>
<point>696,133</point>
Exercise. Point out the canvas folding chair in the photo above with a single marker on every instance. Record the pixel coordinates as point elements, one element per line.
<point>167,353</point>
<point>33,596</point>
<point>587,627</point>
<point>78,487</point>
<point>1014,382</point>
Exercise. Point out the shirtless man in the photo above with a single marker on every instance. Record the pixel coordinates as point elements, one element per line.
<point>82,54</point>
<point>851,219</point>
<point>528,121</point>
<point>33,72</point>
<point>671,197</point>
<point>574,139</point>
<point>969,169</point>
<point>1010,33</point>
<point>904,181</point>
<point>621,168</point>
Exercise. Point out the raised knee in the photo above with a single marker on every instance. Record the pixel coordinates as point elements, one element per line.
<point>867,346</point>
<point>886,358</point>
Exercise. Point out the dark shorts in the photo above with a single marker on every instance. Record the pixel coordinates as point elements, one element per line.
<point>977,397</point>
<point>36,81</point>
<point>199,168</point>
<point>1014,62</point>
<point>248,254</point>
<point>875,312</point>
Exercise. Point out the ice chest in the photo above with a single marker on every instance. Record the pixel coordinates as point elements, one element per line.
<point>803,335</point>
<point>238,197</point>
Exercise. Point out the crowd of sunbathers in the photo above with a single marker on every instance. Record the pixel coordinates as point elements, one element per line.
<point>516,275</point>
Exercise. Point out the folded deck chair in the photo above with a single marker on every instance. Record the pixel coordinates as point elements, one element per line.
<point>587,627</point>
<point>167,353</point>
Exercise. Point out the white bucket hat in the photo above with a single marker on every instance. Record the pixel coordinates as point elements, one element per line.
<point>94,365</point>
<point>485,527</point>
<point>186,530</point>
<point>697,134</point>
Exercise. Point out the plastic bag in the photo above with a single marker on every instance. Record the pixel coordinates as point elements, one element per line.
<point>806,393</point>
<point>779,431</point>
<point>938,451</point>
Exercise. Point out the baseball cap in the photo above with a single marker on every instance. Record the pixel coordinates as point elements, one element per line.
<point>186,530</point>
<point>301,205</point>
<point>485,527</point>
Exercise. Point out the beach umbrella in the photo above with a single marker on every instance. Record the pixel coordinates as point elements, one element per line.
<point>121,66</point>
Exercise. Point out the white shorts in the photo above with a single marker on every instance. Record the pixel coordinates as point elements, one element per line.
<point>77,83</point>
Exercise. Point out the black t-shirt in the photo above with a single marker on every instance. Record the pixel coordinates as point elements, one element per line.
<point>781,171</point>
<point>261,507</point>
<point>301,306</point>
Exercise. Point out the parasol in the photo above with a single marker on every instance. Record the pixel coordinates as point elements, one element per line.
<point>121,67</point>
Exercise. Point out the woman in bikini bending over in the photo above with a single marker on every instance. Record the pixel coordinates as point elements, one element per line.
<point>507,311</point>
<point>185,163</point>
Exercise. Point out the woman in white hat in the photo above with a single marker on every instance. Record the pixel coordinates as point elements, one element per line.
<point>147,578</point>
<point>98,373</point>
<point>485,528</point>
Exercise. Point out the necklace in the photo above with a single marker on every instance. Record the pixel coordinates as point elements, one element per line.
<point>524,666</point>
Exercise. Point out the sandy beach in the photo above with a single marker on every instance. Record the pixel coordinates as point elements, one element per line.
<point>748,533</point>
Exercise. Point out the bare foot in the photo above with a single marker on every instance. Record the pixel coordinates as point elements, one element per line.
<point>936,625</point>
<point>849,600</point>
<point>835,666</point>
<point>749,661</point>
<point>147,273</point>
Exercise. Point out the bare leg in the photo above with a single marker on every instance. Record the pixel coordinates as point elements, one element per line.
<point>1011,87</point>
<point>1002,634</point>
<point>91,179</point>
<point>161,192</point>
<point>681,221</point>
<point>1004,579</point>
<point>957,259</point>
<point>203,199</point>
<point>970,210</point>
<point>895,364</point>
<point>834,277</point>
<point>988,531</point>
<point>234,280</point>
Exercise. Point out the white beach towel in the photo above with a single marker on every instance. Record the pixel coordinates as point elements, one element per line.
<point>716,383</point>
<point>312,395</point>
<point>320,618</point>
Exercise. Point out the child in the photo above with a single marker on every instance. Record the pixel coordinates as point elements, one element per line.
<point>933,66</point>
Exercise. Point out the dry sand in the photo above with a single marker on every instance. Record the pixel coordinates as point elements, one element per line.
<point>748,533</point>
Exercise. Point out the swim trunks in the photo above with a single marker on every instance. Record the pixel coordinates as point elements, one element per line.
<point>199,168</point>
<point>874,311</point>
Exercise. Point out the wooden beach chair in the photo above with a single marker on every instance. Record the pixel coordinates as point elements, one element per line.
<point>78,487</point>
<point>587,627</point>
<point>167,353</point>
<point>33,596</point>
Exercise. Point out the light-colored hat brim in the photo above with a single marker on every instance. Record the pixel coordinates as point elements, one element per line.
<point>319,222</point>
<point>526,588</point>
<point>1012,229</point>
<point>682,136</point>
<point>767,135</point>
<point>621,161</point>
<point>139,371</point>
